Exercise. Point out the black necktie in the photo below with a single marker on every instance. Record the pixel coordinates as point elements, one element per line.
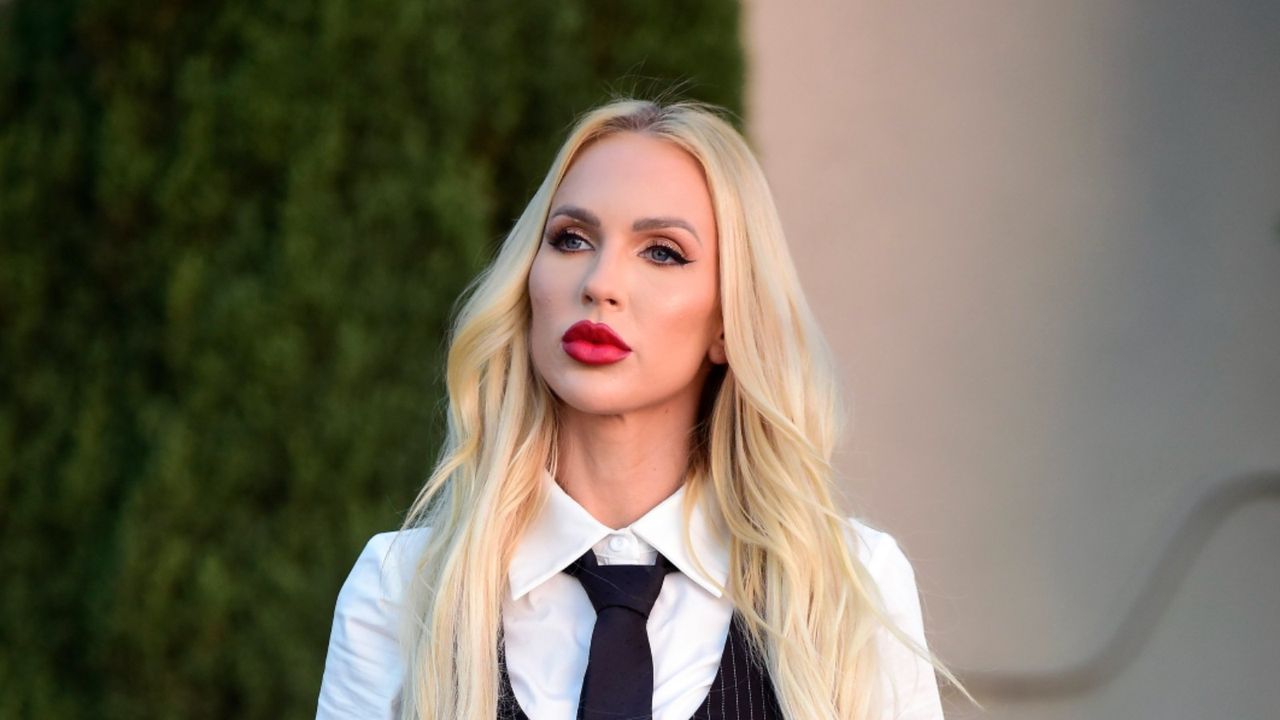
<point>618,684</point>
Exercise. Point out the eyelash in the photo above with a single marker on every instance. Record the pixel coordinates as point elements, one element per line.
<point>557,241</point>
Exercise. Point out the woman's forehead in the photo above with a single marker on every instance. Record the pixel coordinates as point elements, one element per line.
<point>630,173</point>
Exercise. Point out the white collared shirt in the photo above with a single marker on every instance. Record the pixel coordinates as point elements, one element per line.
<point>547,618</point>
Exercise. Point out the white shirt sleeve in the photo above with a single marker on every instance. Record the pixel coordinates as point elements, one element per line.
<point>909,683</point>
<point>363,672</point>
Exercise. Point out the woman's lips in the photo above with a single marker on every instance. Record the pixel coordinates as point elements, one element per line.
<point>594,343</point>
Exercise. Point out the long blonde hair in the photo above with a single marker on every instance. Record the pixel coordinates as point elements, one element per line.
<point>765,439</point>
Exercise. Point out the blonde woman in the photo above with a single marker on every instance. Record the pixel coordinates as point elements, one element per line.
<point>632,514</point>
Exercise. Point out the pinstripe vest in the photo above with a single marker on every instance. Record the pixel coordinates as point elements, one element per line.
<point>742,688</point>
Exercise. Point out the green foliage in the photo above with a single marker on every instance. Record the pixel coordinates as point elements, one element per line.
<point>231,234</point>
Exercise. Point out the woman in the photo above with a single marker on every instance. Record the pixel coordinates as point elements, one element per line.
<point>636,387</point>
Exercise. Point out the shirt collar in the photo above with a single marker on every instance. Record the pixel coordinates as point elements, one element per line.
<point>563,530</point>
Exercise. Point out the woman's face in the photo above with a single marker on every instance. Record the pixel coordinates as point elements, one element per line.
<point>631,243</point>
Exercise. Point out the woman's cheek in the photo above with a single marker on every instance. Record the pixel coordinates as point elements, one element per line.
<point>540,303</point>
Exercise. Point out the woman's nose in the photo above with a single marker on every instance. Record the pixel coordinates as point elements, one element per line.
<point>604,280</point>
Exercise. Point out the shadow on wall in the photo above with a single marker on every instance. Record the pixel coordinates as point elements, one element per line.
<point>1138,625</point>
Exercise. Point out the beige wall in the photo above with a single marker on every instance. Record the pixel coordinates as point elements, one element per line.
<point>1044,239</point>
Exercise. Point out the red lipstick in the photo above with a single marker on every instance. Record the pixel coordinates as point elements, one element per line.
<point>594,343</point>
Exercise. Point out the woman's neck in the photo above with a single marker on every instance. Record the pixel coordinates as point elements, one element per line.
<point>619,467</point>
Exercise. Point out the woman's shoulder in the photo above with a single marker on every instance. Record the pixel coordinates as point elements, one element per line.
<point>909,679</point>
<point>384,566</point>
<point>363,667</point>
<point>878,551</point>
<point>895,579</point>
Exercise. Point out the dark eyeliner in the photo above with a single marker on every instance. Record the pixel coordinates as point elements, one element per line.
<point>557,239</point>
<point>677,257</point>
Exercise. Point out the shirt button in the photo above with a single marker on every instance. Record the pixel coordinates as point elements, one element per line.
<point>617,543</point>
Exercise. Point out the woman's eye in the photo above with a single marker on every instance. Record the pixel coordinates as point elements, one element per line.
<point>665,255</point>
<point>568,241</point>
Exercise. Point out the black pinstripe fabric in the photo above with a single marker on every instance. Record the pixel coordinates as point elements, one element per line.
<point>742,689</point>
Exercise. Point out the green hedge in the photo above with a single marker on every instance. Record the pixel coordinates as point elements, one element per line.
<point>230,237</point>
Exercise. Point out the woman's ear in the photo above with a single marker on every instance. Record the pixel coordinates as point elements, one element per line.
<point>716,353</point>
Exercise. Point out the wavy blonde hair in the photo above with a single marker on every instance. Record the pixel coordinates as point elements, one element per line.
<point>768,426</point>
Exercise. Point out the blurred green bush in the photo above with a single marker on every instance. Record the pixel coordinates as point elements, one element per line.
<point>230,237</point>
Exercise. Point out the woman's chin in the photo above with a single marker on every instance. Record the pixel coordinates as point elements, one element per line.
<point>578,404</point>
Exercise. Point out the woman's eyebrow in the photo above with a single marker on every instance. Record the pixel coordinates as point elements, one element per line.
<point>664,222</point>
<point>586,217</point>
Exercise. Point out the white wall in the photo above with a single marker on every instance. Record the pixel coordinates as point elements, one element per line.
<point>1044,239</point>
